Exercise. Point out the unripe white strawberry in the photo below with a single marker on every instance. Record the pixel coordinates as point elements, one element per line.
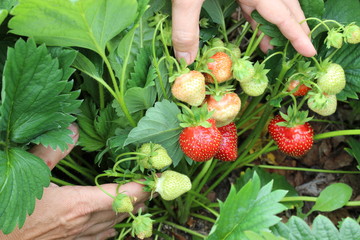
<point>334,38</point>
<point>258,84</point>
<point>332,79</point>
<point>172,184</point>
<point>322,104</point>
<point>190,88</point>
<point>243,70</point>
<point>352,34</point>
<point>122,203</point>
<point>142,226</point>
<point>156,156</point>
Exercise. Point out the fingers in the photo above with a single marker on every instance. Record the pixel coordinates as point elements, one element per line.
<point>286,15</point>
<point>51,156</point>
<point>185,28</point>
<point>99,201</point>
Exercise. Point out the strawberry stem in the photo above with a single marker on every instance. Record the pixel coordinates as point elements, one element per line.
<point>337,133</point>
<point>302,169</point>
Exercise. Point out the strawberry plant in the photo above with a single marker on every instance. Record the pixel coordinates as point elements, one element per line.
<point>186,133</point>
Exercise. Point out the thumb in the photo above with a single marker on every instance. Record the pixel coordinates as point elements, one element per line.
<point>50,156</point>
<point>185,28</point>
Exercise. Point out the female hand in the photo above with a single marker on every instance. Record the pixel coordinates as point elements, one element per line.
<point>74,212</point>
<point>286,14</point>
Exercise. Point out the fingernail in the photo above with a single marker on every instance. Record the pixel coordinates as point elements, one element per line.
<point>184,55</point>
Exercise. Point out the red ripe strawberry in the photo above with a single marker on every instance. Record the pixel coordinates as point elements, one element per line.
<point>228,146</point>
<point>292,139</point>
<point>200,143</point>
<point>274,129</point>
<point>302,89</point>
<point>220,65</point>
<point>225,107</point>
<point>190,88</point>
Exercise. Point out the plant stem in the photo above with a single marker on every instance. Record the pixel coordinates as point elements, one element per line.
<point>203,217</point>
<point>314,199</point>
<point>184,229</point>
<point>72,176</point>
<point>337,133</point>
<point>60,182</point>
<point>302,169</point>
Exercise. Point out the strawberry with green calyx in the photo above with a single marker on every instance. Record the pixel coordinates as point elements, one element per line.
<point>259,82</point>
<point>322,104</point>
<point>142,226</point>
<point>228,150</point>
<point>352,33</point>
<point>299,84</point>
<point>220,67</point>
<point>153,156</point>
<point>122,204</point>
<point>334,38</point>
<point>292,132</point>
<point>243,70</point>
<point>224,103</point>
<point>169,185</point>
<point>200,139</point>
<point>331,78</point>
<point>189,87</point>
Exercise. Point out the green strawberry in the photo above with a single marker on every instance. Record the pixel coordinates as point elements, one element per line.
<point>243,70</point>
<point>142,226</point>
<point>171,185</point>
<point>322,104</point>
<point>332,79</point>
<point>258,83</point>
<point>352,33</point>
<point>122,203</point>
<point>334,38</point>
<point>156,156</point>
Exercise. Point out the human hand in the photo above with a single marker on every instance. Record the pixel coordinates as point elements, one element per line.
<point>286,14</point>
<point>74,212</point>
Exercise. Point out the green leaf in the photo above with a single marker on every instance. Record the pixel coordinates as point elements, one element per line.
<point>137,99</point>
<point>218,10</point>
<point>159,125</point>
<point>345,11</point>
<point>279,181</point>
<point>350,229</point>
<point>354,149</point>
<point>324,229</point>
<point>252,208</point>
<point>36,99</point>
<point>87,23</point>
<point>333,197</point>
<point>312,8</point>
<point>298,229</point>
<point>262,236</point>
<point>270,30</point>
<point>55,138</point>
<point>3,15</point>
<point>7,4</point>
<point>22,179</point>
<point>349,58</point>
<point>96,127</point>
<point>141,69</point>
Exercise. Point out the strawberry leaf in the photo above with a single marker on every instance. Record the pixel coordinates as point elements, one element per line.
<point>345,11</point>
<point>95,126</point>
<point>322,228</point>
<point>159,125</point>
<point>252,208</point>
<point>349,58</point>
<point>88,24</point>
<point>349,229</point>
<point>22,179</point>
<point>333,197</point>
